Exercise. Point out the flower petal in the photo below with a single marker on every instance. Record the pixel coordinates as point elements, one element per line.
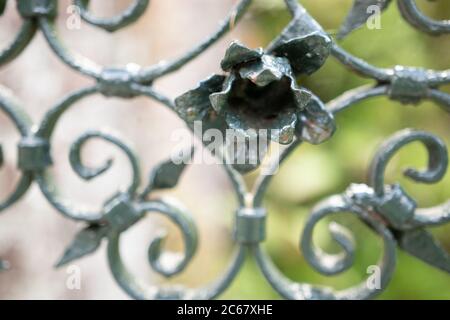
<point>302,96</point>
<point>194,104</point>
<point>305,56</point>
<point>280,128</point>
<point>237,53</point>
<point>284,124</point>
<point>266,70</point>
<point>316,124</point>
<point>305,53</point>
<point>219,100</point>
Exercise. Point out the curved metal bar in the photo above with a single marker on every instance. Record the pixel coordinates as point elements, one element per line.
<point>45,178</point>
<point>76,62</point>
<point>152,93</point>
<point>11,107</point>
<point>147,74</point>
<point>437,167</point>
<point>360,66</point>
<point>169,263</point>
<point>21,41</point>
<point>88,173</point>
<point>162,68</point>
<point>263,181</point>
<point>130,15</point>
<point>21,188</point>
<point>439,78</point>
<point>238,184</point>
<point>437,159</point>
<point>412,14</point>
<point>300,291</point>
<point>52,116</point>
<point>437,215</point>
<point>441,98</point>
<point>354,96</point>
<point>137,290</point>
<point>386,78</point>
<point>328,264</point>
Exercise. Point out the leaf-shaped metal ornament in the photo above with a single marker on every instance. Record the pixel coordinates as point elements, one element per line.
<point>421,244</point>
<point>85,242</point>
<point>303,42</point>
<point>167,174</point>
<point>359,14</point>
<point>2,6</point>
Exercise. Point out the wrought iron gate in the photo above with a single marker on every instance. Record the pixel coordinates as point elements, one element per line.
<point>301,48</point>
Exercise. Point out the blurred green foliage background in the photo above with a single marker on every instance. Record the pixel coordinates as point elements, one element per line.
<point>313,173</point>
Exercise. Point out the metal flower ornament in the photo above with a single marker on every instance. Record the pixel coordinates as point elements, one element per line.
<point>259,97</point>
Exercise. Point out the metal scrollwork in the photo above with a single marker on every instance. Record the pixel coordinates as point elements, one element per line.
<point>399,210</point>
<point>257,90</point>
<point>415,17</point>
<point>332,264</point>
<point>129,16</point>
<point>11,107</point>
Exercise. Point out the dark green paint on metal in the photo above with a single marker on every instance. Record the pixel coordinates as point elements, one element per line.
<point>257,90</point>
